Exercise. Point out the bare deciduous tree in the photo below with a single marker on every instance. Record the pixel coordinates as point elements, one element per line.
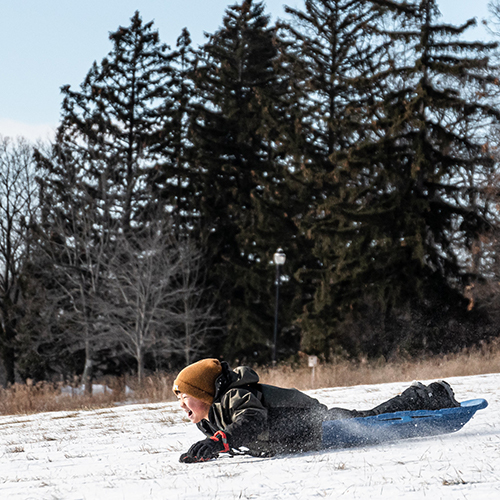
<point>195,311</point>
<point>154,291</point>
<point>78,262</point>
<point>74,234</point>
<point>17,208</point>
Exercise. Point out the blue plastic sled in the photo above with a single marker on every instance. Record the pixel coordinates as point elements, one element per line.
<point>398,425</point>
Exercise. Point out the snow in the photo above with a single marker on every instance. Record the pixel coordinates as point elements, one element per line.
<point>68,390</point>
<point>131,452</point>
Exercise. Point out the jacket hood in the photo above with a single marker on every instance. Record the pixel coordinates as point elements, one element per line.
<point>231,379</point>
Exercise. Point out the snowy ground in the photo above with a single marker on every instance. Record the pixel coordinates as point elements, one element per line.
<point>131,452</point>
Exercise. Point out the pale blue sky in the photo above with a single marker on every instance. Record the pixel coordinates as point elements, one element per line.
<point>45,44</point>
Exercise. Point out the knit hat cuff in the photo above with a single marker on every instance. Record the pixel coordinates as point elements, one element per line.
<point>183,387</point>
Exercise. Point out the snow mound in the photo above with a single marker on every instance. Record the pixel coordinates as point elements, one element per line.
<point>131,452</point>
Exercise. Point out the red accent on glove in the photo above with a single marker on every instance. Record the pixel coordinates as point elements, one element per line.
<point>223,438</point>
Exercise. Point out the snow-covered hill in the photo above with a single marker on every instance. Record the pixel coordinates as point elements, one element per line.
<point>131,452</point>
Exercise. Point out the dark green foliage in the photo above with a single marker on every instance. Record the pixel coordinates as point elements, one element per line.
<point>335,49</point>
<point>173,180</point>
<point>243,204</point>
<point>117,116</point>
<point>407,210</point>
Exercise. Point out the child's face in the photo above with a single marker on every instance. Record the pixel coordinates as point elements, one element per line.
<point>196,409</point>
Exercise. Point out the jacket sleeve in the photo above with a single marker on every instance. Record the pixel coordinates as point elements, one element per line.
<point>244,417</point>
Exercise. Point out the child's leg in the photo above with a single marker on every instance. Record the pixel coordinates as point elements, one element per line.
<point>418,396</point>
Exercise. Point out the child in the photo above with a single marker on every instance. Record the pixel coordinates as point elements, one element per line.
<point>235,411</point>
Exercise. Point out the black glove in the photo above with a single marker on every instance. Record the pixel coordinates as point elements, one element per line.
<point>206,450</point>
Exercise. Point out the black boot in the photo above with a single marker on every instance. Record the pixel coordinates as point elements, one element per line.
<point>442,395</point>
<point>416,397</point>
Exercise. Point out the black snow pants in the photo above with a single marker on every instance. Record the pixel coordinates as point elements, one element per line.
<point>417,397</point>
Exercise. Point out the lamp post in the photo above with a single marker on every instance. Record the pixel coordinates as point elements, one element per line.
<point>279,259</point>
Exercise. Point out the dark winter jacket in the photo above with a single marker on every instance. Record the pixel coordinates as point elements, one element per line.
<point>260,417</point>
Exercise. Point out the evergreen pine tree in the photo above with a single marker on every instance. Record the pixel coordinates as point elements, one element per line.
<point>173,178</point>
<point>116,117</point>
<point>335,49</point>
<point>406,218</point>
<point>235,133</point>
<point>95,183</point>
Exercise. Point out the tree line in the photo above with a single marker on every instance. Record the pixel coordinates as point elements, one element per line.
<point>358,135</point>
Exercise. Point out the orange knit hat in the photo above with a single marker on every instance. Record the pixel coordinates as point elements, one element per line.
<point>198,380</point>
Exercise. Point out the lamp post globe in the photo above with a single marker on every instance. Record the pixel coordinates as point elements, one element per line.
<point>279,257</point>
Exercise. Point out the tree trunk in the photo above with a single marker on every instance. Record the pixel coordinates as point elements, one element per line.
<point>8,351</point>
<point>87,373</point>
<point>8,358</point>
<point>140,367</point>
